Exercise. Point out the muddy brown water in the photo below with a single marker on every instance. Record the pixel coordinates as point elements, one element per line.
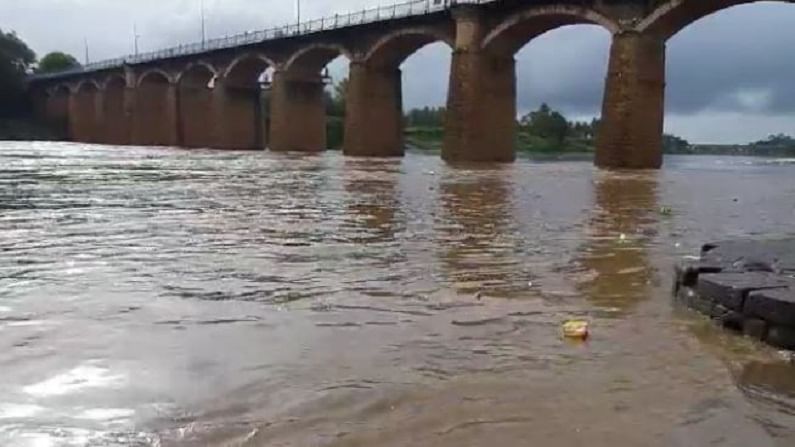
<point>197,298</point>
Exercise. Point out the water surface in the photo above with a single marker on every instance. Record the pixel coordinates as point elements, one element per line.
<point>191,298</point>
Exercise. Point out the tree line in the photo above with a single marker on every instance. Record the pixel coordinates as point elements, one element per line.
<point>17,61</point>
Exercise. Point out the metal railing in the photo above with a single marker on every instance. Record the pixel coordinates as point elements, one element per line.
<point>410,8</point>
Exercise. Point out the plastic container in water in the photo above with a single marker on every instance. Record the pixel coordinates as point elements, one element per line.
<point>576,330</point>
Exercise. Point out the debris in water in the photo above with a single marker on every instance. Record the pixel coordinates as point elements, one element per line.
<point>576,329</point>
<point>666,210</point>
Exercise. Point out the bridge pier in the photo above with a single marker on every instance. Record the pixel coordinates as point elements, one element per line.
<point>57,111</point>
<point>196,120</point>
<point>117,98</point>
<point>373,112</point>
<point>155,120</point>
<point>85,115</point>
<point>237,117</point>
<point>633,110</point>
<point>298,112</point>
<point>480,125</point>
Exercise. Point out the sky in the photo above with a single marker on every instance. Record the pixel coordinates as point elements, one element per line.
<point>731,75</point>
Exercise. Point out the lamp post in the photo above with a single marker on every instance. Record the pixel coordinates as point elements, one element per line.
<point>298,12</point>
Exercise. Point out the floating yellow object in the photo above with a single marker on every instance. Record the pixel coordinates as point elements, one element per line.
<point>576,329</point>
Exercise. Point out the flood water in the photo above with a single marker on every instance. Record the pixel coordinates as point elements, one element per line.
<point>159,297</point>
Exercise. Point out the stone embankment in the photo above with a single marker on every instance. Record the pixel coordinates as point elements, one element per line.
<point>745,285</point>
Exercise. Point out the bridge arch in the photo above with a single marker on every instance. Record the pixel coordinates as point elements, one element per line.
<point>87,85</point>
<point>114,80</point>
<point>194,105</point>
<point>394,48</point>
<point>313,58</point>
<point>521,27</point>
<point>154,75</point>
<point>196,67</point>
<point>246,68</point>
<point>673,16</point>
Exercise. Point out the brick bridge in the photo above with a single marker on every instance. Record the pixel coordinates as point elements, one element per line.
<point>211,94</point>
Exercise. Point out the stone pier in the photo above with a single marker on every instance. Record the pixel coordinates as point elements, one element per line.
<point>298,112</point>
<point>374,112</point>
<point>631,131</point>
<point>480,125</point>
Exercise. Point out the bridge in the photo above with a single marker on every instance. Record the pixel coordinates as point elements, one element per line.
<point>265,88</point>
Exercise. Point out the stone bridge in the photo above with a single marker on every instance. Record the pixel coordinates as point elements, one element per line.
<point>265,89</point>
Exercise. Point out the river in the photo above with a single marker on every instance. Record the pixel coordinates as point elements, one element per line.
<point>161,297</point>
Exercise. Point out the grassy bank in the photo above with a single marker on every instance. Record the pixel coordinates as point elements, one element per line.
<point>431,138</point>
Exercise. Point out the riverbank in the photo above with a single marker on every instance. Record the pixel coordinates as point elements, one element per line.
<point>26,130</point>
<point>432,137</point>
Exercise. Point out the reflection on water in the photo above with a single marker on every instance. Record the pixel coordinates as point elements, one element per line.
<point>196,298</point>
<point>620,229</point>
<point>373,201</point>
<point>477,232</point>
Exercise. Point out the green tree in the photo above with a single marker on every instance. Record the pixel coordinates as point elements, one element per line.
<point>15,62</point>
<point>57,61</point>
<point>546,123</point>
<point>426,117</point>
<point>335,100</point>
<point>676,145</point>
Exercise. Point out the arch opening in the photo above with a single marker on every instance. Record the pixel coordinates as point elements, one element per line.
<point>195,105</point>
<point>424,95</point>
<point>314,58</point>
<point>519,29</point>
<point>730,92</point>
<point>335,77</point>
<point>393,50</point>
<point>558,100</point>
<point>673,16</point>
<point>245,110</point>
<point>154,77</point>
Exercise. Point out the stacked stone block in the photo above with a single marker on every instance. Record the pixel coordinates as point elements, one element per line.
<point>746,286</point>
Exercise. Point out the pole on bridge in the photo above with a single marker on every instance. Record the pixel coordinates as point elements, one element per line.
<point>204,27</point>
<point>135,38</point>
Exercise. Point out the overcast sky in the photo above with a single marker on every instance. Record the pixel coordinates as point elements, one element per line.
<point>731,76</point>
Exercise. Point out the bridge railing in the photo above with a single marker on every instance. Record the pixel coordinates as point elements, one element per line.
<point>409,8</point>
